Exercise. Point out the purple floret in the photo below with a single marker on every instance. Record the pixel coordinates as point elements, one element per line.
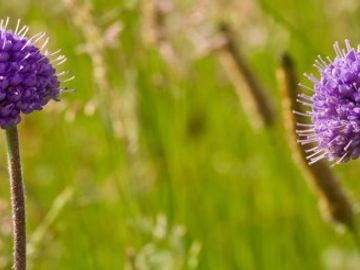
<point>27,78</point>
<point>335,104</point>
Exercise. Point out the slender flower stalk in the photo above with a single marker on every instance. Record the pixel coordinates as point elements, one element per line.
<point>335,201</point>
<point>17,197</point>
<point>28,81</point>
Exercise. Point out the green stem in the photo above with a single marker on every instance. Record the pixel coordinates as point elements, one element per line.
<point>355,235</point>
<point>17,198</point>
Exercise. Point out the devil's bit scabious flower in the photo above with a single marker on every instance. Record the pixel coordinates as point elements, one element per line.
<point>28,78</point>
<point>335,108</point>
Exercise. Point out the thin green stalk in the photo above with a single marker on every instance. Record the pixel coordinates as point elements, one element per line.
<point>353,229</point>
<point>17,198</point>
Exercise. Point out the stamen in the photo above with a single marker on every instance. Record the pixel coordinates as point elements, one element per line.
<point>319,68</point>
<point>322,61</point>
<point>306,87</point>
<point>3,36</point>
<point>6,23</point>
<point>344,52</point>
<point>23,31</point>
<point>69,79</point>
<point>62,73</point>
<point>314,160</point>
<point>304,96</point>
<point>354,87</point>
<point>61,61</point>
<point>305,130</point>
<point>307,136</point>
<point>320,65</point>
<point>304,125</point>
<point>341,159</point>
<point>39,38</point>
<point>304,103</point>
<point>348,145</point>
<point>333,140</point>
<point>67,90</point>
<point>36,38</point>
<point>25,57</point>
<point>337,49</point>
<point>304,142</point>
<point>312,149</point>
<point>41,59</point>
<point>311,78</point>
<point>45,43</point>
<point>309,157</point>
<point>302,114</point>
<point>348,45</point>
<point>17,26</point>
<point>53,53</point>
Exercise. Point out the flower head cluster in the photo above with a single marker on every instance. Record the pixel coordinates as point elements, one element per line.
<point>335,108</point>
<point>28,79</point>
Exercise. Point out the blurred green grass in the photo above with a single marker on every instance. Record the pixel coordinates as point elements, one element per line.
<point>196,158</point>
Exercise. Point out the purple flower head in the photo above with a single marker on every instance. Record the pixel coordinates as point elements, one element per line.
<point>335,108</point>
<point>28,78</point>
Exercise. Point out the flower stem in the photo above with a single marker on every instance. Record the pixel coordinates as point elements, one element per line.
<point>17,198</point>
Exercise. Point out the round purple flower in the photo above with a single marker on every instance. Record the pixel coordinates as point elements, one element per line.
<point>335,108</point>
<point>28,78</point>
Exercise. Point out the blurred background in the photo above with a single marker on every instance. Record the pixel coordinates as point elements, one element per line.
<point>154,162</point>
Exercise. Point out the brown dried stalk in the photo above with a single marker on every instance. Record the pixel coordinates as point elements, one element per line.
<point>254,99</point>
<point>337,205</point>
